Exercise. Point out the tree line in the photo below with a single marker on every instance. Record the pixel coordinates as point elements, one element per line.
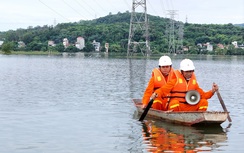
<point>114,29</point>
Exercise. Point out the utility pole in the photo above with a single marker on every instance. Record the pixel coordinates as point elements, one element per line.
<point>138,32</point>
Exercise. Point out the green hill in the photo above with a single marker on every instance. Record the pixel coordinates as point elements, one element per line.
<point>114,29</point>
<point>240,25</point>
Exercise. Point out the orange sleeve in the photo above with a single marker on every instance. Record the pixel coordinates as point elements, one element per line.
<point>205,95</point>
<point>165,89</point>
<point>148,91</point>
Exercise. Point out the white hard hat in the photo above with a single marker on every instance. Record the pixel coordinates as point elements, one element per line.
<point>164,61</point>
<point>186,65</point>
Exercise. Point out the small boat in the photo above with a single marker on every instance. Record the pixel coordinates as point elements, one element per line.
<point>190,118</point>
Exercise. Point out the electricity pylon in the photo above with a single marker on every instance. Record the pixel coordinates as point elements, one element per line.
<point>179,48</point>
<point>138,34</point>
<point>171,31</point>
<point>175,33</point>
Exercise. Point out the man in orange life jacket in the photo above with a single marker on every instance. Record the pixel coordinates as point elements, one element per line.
<point>160,76</point>
<point>185,81</point>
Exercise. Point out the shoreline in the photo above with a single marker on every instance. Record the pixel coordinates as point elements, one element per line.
<point>121,55</point>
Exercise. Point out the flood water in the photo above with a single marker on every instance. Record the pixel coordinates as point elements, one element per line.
<point>79,104</point>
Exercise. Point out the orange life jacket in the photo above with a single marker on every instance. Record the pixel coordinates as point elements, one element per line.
<point>159,79</point>
<point>182,86</point>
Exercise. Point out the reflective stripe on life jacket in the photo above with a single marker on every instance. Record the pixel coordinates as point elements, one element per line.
<point>182,86</point>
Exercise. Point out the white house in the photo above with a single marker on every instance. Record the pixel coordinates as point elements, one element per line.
<point>209,47</point>
<point>235,44</point>
<point>51,43</point>
<point>80,43</point>
<point>65,42</point>
<point>96,45</point>
<point>1,42</point>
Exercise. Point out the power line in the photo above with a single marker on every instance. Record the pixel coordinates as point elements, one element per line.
<point>89,6</point>
<point>112,4</point>
<point>73,9</point>
<point>152,7</point>
<point>168,5</point>
<point>127,4</point>
<point>172,5</point>
<point>100,6</point>
<point>54,10</point>
<point>163,8</point>
<point>84,7</point>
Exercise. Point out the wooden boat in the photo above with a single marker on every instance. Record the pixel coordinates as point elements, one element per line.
<point>186,118</point>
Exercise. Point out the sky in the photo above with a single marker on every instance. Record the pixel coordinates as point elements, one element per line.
<point>15,14</point>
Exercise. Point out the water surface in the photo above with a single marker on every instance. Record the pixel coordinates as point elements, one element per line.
<point>76,104</point>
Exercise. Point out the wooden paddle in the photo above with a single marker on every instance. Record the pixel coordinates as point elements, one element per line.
<point>223,105</point>
<point>143,115</point>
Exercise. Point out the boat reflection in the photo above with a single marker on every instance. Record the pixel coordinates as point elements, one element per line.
<point>167,137</point>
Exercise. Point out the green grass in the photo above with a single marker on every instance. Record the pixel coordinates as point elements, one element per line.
<point>32,53</point>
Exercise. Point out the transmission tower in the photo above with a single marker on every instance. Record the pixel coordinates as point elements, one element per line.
<point>138,34</point>
<point>175,32</point>
<point>171,31</point>
<point>179,48</point>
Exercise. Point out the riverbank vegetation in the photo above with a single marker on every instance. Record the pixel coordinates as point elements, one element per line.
<point>114,29</point>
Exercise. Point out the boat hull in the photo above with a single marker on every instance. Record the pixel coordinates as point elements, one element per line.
<point>185,117</point>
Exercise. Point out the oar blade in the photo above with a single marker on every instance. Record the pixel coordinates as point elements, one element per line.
<point>143,115</point>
